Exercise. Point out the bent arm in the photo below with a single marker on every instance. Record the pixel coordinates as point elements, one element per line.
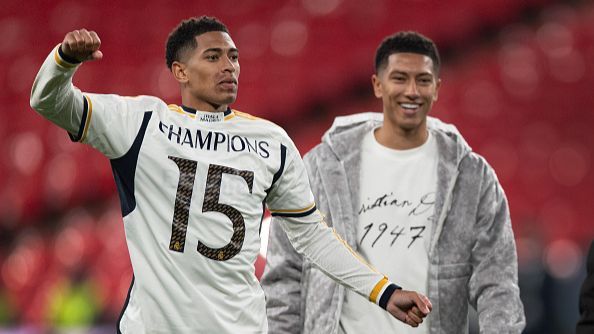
<point>107,122</point>
<point>54,96</point>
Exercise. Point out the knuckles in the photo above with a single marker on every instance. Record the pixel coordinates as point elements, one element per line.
<point>82,40</point>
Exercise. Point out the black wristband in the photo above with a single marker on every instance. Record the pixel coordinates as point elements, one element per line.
<point>67,58</point>
<point>383,303</point>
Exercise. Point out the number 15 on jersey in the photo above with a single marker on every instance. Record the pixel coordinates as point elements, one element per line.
<point>183,200</point>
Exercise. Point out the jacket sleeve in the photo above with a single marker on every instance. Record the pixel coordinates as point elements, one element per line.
<point>281,280</point>
<point>493,285</point>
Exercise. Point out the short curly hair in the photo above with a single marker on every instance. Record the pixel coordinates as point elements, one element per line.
<point>406,41</point>
<point>183,37</point>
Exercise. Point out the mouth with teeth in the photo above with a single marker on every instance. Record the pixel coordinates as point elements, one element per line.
<point>410,108</point>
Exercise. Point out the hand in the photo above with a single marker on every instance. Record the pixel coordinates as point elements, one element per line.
<point>409,307</point>
<point>82,45</point>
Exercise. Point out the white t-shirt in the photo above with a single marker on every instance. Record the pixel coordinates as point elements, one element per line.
<point>193,186</point>
<point>395,218</point>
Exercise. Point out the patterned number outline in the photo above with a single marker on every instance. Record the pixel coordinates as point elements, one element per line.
<point>183,199</point>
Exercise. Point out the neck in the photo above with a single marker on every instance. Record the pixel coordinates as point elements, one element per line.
<point>397,138</point>
<point>191,102</point>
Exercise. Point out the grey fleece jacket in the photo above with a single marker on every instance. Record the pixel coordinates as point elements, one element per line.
<point>472,254</point>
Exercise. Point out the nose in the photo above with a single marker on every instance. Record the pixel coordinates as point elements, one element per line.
<point>411,89</point>
<point>228,65</point>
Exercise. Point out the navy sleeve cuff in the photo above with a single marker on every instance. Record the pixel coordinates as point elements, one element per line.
<point>383,303</point>
<point>67,58</point>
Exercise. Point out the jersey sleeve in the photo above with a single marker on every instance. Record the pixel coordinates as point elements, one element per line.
<point>107,122</point>
<point>324,248</point>
<point>290,195</point>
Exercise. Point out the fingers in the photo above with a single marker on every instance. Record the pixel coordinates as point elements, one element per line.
<point>411,319</point>
<point>422,302</point>
<point>96,42</point>
<point>403,309</point>
<point>414,316</point>
<point>82,45</point>
<point>409,307</point>
<point>397,313</point>
<point>416,313</point>
<point>427,302</point>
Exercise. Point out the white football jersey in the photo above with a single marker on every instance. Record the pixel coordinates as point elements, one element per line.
<point>192,187</point>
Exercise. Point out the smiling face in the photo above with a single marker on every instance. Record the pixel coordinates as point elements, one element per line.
<point>408,87</point>
<point>208,75</point>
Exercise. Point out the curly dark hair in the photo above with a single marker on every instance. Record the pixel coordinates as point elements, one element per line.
<point>183,37</point>
<point>406,41</point>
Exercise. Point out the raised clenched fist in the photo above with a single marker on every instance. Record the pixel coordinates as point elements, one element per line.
<point>82,45</point>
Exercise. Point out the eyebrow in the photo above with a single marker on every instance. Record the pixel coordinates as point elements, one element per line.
<point>220,50</point>
<point>397,72</point>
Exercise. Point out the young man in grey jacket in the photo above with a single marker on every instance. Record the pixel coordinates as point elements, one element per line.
<point>407,192</point>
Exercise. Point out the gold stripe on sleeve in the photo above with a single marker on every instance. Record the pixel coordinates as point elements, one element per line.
<point>62,62</point>
<point>376,290</point>
<point>88,121</point>
<point>294,211</point>
<point>355,254</point>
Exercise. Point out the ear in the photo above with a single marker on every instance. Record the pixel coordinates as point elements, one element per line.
<point>377,86</point>
<point>179,72</point>
<point>437,85</point>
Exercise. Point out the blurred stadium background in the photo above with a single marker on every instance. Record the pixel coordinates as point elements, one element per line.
<point>517,81</point>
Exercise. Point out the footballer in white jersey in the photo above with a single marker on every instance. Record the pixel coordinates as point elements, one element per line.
<point>193,186</point>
